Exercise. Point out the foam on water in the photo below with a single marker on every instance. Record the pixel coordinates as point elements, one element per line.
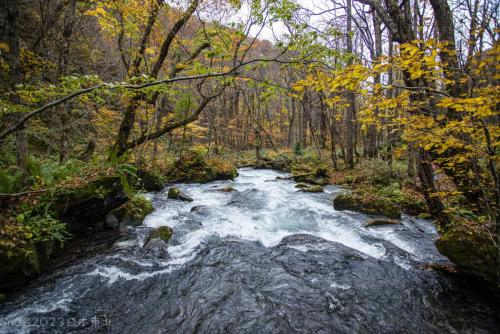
<point>285,211</point>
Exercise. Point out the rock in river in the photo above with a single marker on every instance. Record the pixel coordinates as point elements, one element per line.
<point>176,193</point>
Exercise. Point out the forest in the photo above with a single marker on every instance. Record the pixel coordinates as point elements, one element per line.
<point>102,103</point>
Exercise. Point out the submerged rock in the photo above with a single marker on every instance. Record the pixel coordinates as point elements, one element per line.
<point>227,189</point>
<point>379,222</point>
<point>197,208</point>
<point>176,193</point>
<point>377,206</point>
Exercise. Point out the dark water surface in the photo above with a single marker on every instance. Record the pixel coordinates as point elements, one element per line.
<point>263,259</point>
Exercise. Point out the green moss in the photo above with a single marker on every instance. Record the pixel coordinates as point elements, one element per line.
<point>313,189</point>
<point>196,167</point>
<point>138,207</point>
<point>369,204</point>
<point>149,180</point>
<point>380,222</point>
<point>99,188</point>
<point>163,232</point>
<point>469,246</point>
<point>175,193</point>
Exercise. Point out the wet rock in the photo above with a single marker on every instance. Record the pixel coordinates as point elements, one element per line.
<point>163,232</point>
<point>156,248</point>
<point>111,222</point>
<point>198,208</point>
<point>134,211</point>
<point>380,222</point>
<point>227,189</point>
<point>313,189</point>
<point>156,243</point>
<point>176,193</point>
<point>302,185</point>
<point>378,206</point>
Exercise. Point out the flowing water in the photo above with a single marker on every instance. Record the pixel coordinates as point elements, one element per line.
<point>265,258</point>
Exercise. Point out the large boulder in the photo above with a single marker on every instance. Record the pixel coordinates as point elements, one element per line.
<point>312,172</point>
<point>84,207</point>
<point>176,193</point>
<point>374,206</point>
<point>134,211</point>
<point>470,247</point>
<point>150,181</point>
<point>196,167</point>
<point>156,243</point>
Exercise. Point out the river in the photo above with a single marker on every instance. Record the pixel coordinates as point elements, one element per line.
<point>265,258</point>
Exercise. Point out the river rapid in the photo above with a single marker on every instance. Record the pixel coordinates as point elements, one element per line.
<point>265,258</point>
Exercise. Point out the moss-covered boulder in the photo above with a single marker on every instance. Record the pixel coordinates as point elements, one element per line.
<point>156,242</point>
<point>196,167</point>
<point>279,162</point>
<point>381,222</point>
<point>19,268</point>
<point>370,205</point>
<point>470,247</point>
<point>134,211</point>
<point>313,189</point>
<point>176,193</point>
<point>150,181</point>
<point>310,171</point>
<point>163,232</point>
<point>84,206</point>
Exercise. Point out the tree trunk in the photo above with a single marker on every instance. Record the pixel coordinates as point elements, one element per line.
<point>350,111</point>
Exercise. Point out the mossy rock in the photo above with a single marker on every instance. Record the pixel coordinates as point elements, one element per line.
<point>311,172</point>
<point>81,208</point>
<point>469,246</point>
<point>302,185</point>
<point>156,242</point>
<point>381,222</point>
<point>150,181</point>
<point>278,162</point>
<point>375,206</point>
<point>19,268</point>
<point>163,232</point>
<point>176,193</point>
<point>313,189</point>
<point>197,168</point>
<point>414,208</point>
<point>134,211</point>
